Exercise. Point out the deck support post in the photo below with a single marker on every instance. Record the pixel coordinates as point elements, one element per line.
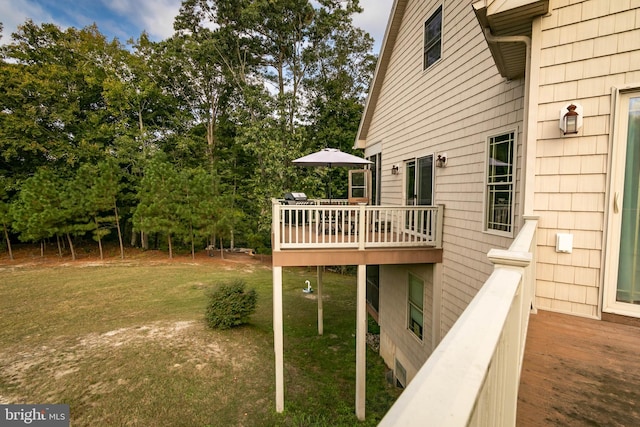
<point>320,308</point>
<point>278,337</point>
<point>361,341</point>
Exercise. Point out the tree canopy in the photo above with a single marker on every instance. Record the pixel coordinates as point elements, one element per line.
<point>185,140</point>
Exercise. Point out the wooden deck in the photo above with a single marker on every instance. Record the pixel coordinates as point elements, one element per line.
<point>315,226</point>
<point>579,372</point>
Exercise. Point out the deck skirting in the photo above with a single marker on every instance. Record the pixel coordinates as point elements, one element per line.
<point>382,256</point>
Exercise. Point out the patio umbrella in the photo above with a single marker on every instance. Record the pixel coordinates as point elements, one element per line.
<point>330,157</point>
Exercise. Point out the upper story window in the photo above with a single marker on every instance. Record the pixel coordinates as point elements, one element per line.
<point>433,38</point>
<point>500,185</point>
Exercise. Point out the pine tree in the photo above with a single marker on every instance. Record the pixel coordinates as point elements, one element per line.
<point>157,210</point>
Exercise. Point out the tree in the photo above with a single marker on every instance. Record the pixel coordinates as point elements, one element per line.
<point>73,214</point>
<point>199,207</point>
<point>5,213</point>
<point>37,212</point>
<point>337,81</point>
<point>190,137</point>
<point>193,76</point>
<point>92,197</point>
<point>52,108</point>
<point>142,113</point>
<point>157,211</point>
<point>107,187</point>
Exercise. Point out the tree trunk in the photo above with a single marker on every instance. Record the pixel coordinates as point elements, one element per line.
<point>211,127</point>
<point>6,236</point>
<point>100,246</point>
<point>115,210</point>
<point>144,240</point>
<point>59,246</point>
<point>41,248</point>
<point>170,247</point>
<point>134,238</point>
<point>221,249</point>
<point>193,249</point>
<point>73,252</point>
<point>99,238</point>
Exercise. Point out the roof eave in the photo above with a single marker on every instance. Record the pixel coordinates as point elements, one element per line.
<point>508,18</point>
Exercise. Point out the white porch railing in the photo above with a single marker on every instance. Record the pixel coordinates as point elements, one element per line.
<point>472,377</point>
<point>317,225</point>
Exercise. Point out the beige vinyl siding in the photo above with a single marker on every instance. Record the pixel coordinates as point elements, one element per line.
<point>396,341</point>
<point>452,107</point>
<point>587,48</point>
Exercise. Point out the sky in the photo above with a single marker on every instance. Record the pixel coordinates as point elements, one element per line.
<point>126,19</point>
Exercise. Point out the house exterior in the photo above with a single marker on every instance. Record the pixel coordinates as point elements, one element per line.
<point>504,110</point>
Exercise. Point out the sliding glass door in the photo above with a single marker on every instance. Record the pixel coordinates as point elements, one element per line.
<point>622,278</point>
<point>418,188</point>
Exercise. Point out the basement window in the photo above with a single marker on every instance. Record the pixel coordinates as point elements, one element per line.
<point>401,375</point>
<point>416,305</point>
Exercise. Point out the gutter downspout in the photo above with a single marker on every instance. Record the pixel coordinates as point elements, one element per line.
<point>529,116</point>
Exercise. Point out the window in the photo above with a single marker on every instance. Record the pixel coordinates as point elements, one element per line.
<point>416,298</point>
<point>359,184</point>
<point>401,375</point>
<point>500,183</point>
<point>419,191</point>
<point>375,178</point>
<point>373,286</point>
<point>433,38</point>
<point>419,182</point>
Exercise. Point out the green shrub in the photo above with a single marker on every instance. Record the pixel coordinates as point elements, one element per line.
<point>230,305</point>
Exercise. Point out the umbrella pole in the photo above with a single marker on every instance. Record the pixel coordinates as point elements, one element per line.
<point>329,184</point>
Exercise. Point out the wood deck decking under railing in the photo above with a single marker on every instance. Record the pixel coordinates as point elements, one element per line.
<point>579,372</point>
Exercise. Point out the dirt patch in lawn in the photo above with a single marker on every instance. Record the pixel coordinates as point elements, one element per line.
<point>61,359</point>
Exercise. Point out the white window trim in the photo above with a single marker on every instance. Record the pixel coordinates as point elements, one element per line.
<point>485,213</point>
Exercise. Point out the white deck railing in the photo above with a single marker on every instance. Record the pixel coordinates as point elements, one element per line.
<point>339,225</point>
<point>472,377</point>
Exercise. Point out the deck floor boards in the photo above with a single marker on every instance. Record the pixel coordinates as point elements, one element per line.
<point>579,372</point>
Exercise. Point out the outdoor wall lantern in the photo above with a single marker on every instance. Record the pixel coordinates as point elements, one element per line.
<point>441,160</point>
<point>571,118</point>
<point>395,170</point>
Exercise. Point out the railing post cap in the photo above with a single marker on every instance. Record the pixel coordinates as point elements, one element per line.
<point>502,257</point>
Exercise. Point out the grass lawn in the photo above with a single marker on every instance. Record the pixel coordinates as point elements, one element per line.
<point>124,343</point>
